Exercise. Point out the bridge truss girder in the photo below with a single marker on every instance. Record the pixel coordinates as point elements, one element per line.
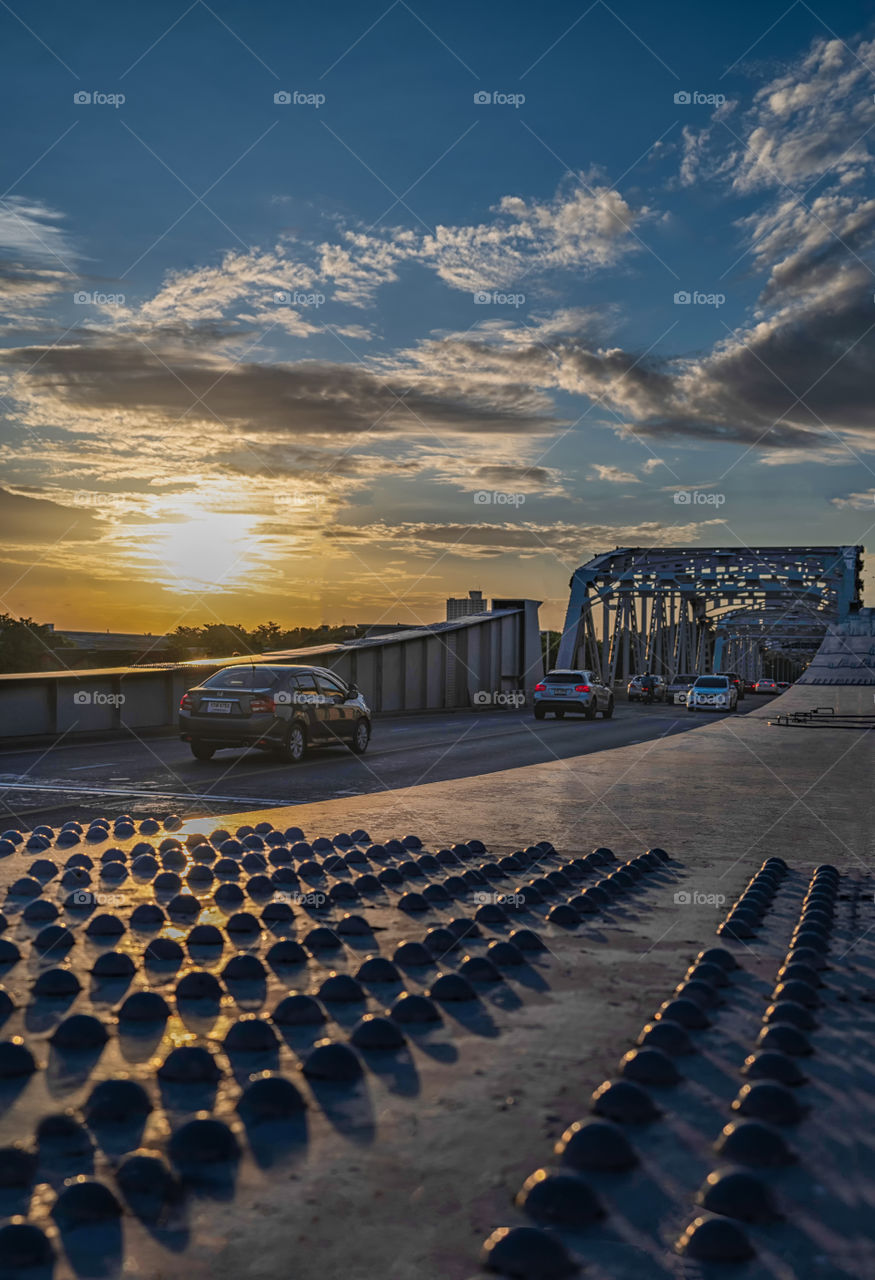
<point>672,610</point>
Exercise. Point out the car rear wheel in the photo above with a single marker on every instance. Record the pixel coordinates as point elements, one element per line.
<point>294,746</point>
<point>609,710</point>
<point>361,737</point>
<point>540,713</point>
<point>202,750</point>
<point>591,709</point>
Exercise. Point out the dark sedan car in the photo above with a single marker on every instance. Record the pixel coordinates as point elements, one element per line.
<point>281,709</point>
<point>736,680</point>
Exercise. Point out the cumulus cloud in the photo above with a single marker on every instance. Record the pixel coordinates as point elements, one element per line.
<point>585,226</point>
<point>814,119</point>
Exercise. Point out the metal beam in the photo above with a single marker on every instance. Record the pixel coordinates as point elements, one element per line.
<point>673,609</point>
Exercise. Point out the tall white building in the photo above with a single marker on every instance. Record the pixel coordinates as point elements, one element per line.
<point>465,606</point>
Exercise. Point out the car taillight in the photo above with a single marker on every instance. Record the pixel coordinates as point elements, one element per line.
<point>540,688</point>
<point>185,703</point>
<point>262,704</point>
<point>581,688</point>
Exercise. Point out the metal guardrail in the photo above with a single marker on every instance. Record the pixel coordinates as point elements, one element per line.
<point>825,715</point>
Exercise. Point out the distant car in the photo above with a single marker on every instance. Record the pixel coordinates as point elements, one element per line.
<point>712,693</point>
<point>636,693</point>
<point>766,686</point>
<point>577,692</point>
<point>736,680</point>
<point>784,684</point>
<point>676,690</point>
<point>750,686</point>
<point>282,709</point>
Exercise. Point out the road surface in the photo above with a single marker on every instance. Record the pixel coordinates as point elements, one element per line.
<point>158,775</point>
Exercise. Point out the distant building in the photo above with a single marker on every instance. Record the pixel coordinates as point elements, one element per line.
<point>467,606</point>
<point>104,648</point>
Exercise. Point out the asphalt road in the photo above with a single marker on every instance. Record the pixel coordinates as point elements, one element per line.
<point>159,775</point>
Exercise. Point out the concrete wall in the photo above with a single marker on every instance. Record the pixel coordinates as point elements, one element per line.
<point>495,654</point>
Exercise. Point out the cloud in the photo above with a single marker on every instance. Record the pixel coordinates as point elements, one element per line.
<point>584,227</point>
<point>613,475</point>
<point>856,501</point>
<point>810,121</point>
<point>803,247</point>
<point>30,521</point>
<point>177,388</point>
<point>32,231</point>
<point>486,541</point>
<point>36,257</point>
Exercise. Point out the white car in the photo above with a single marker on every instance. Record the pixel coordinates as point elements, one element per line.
<point>712,693</point>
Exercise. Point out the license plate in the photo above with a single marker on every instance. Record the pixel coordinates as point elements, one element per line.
<point>553,689</point>
<point>223,708</point>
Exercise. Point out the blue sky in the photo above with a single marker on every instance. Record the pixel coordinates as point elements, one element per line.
<point>342,356</point>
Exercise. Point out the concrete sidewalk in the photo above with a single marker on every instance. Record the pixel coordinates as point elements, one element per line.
<point>490,1103</point>
<point>404,1176</point>
<point>735,789</point>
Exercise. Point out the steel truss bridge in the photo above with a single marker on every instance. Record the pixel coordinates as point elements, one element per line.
<point>698,609</point>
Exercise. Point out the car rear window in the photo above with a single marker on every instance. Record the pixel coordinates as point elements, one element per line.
<point>711,682</point>
<point>565,676</point>
<point>243,678</point>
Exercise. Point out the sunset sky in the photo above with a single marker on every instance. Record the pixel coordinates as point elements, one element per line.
<point>267,358</point>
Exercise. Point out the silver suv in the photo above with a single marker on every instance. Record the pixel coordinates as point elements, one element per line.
<point>281,709</point>
<point>579,692</point>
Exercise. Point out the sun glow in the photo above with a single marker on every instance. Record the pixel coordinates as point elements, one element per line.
<point>211,549</point>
